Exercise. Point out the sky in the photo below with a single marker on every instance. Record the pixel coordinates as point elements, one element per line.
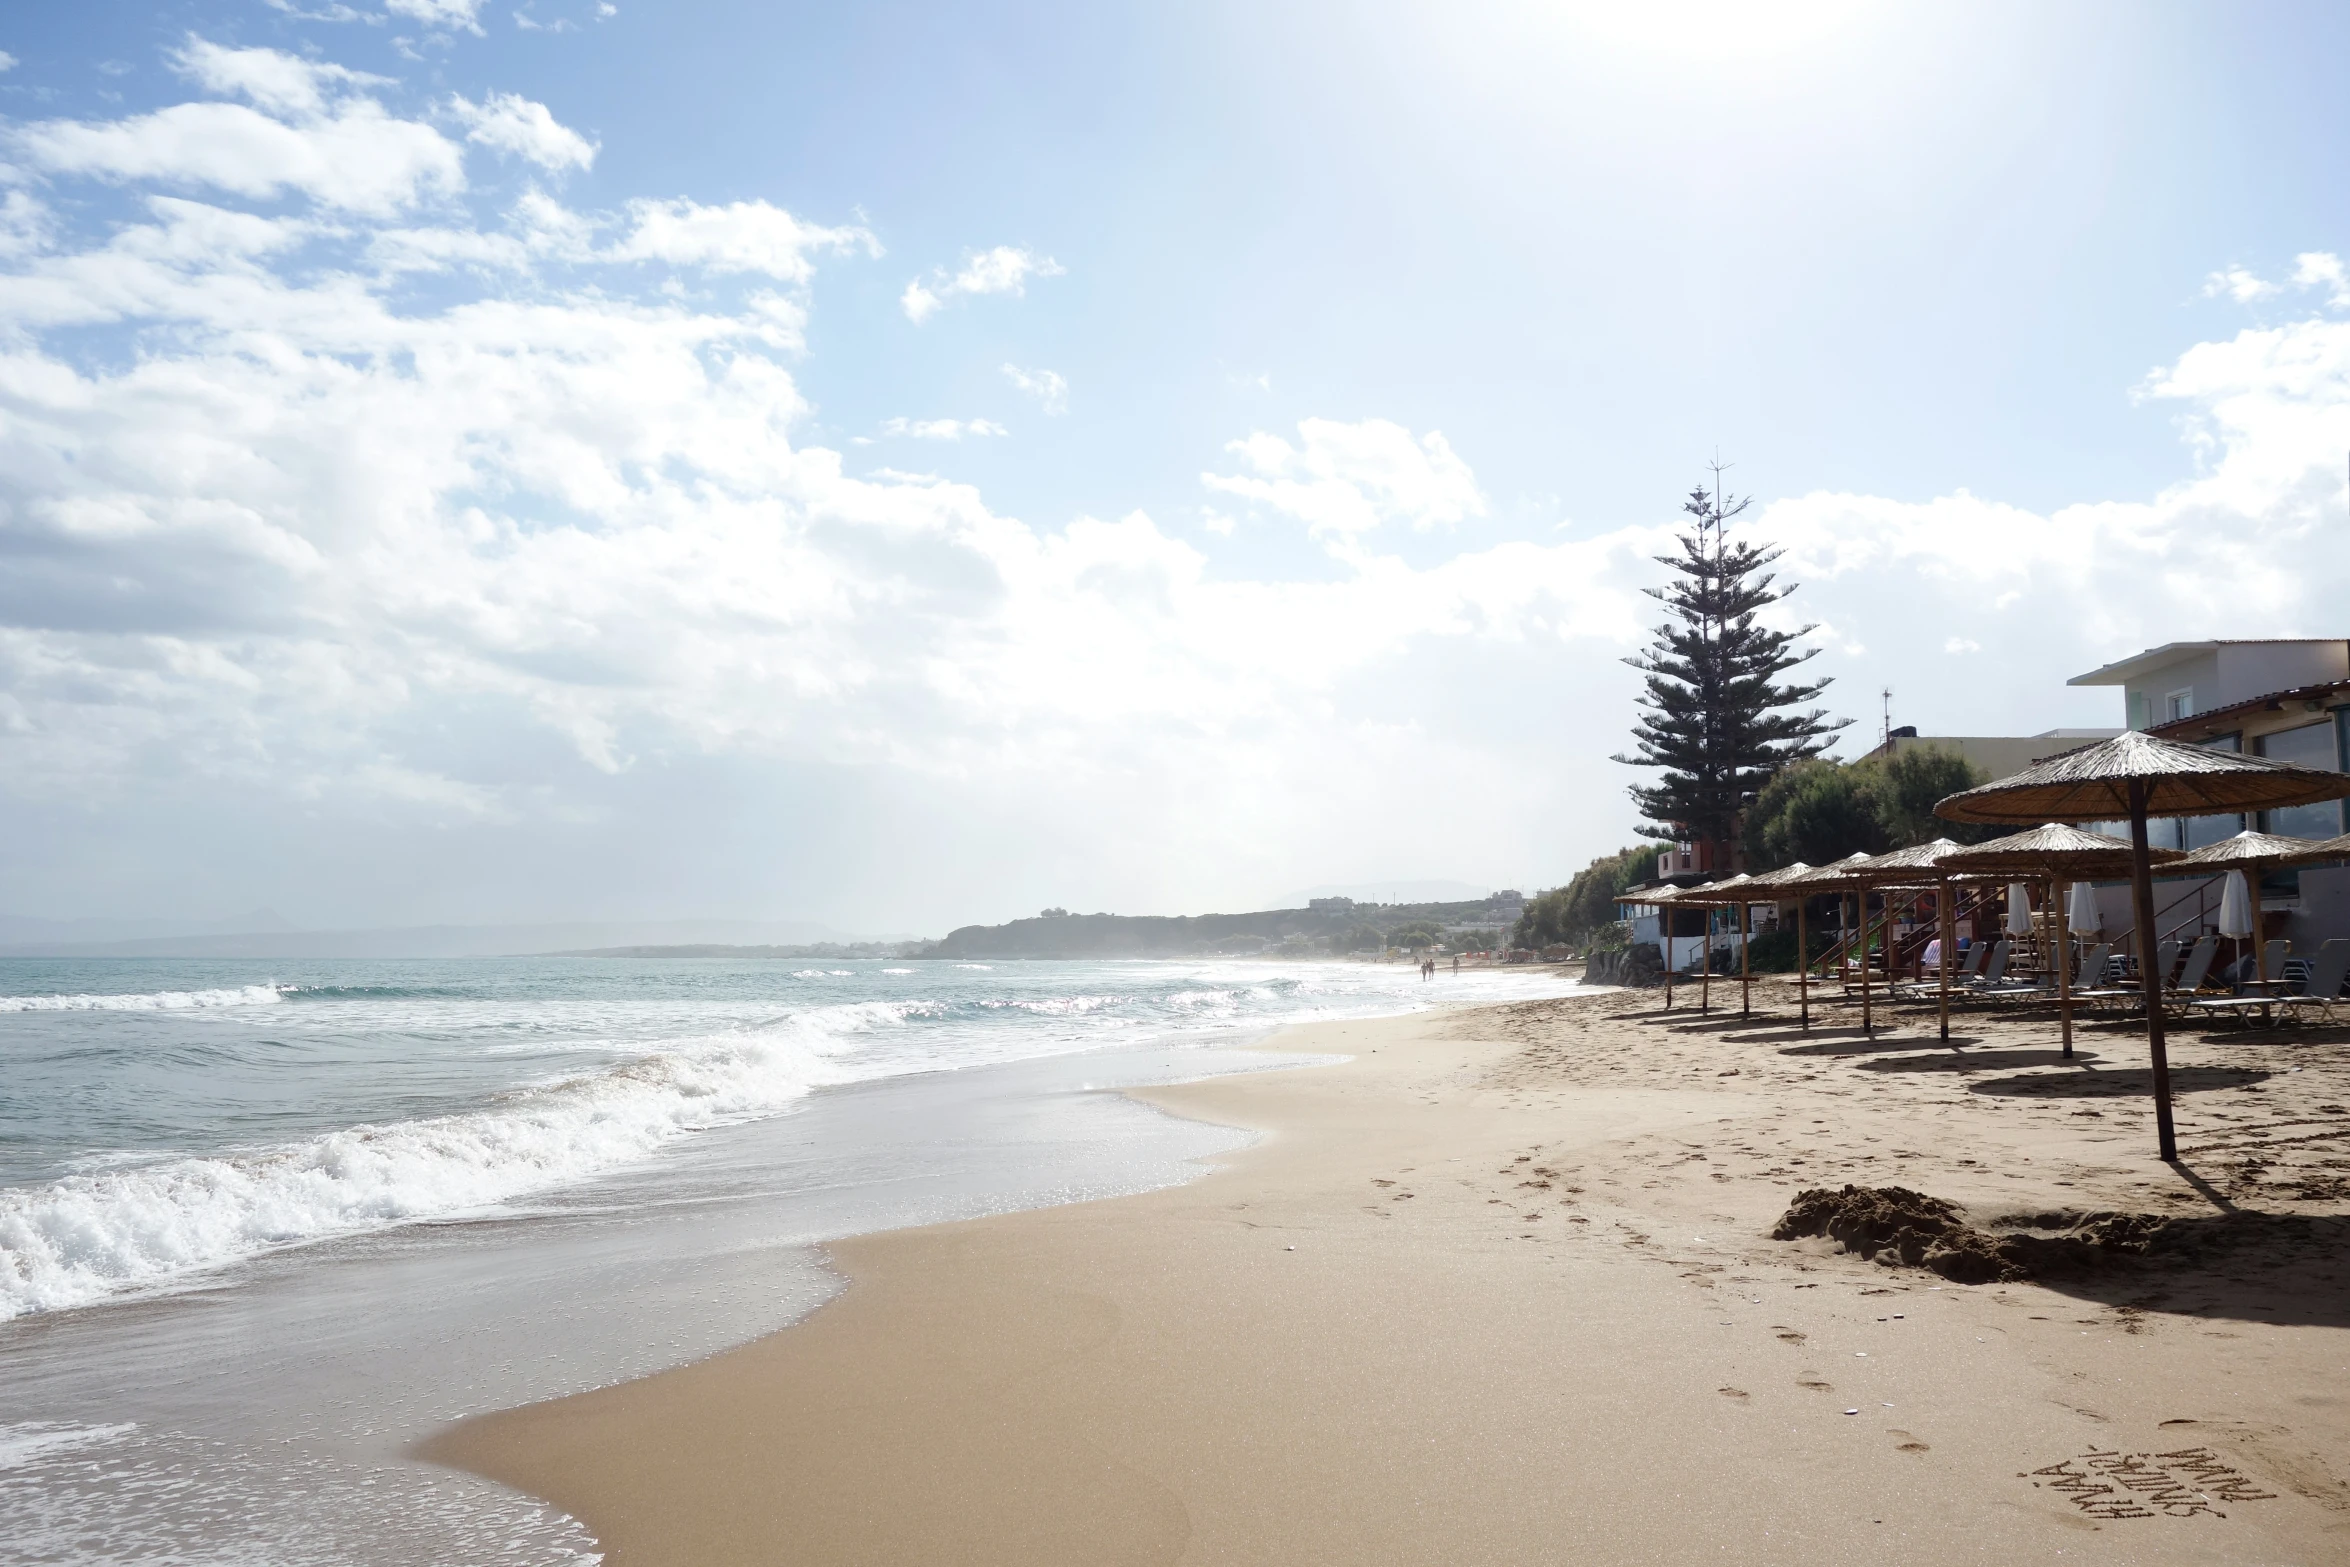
<point>901,466</point>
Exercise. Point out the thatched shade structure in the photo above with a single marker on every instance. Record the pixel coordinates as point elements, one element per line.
<point>1771,884</point>
<point>2134,776</point>
<point>2053,849</point>
<point>1916,865</point>
<point>1720,895</point>
<point>2056,854</point>
<point>1836,876</point>
<point>2256,854</point>
<point>1662,899</point>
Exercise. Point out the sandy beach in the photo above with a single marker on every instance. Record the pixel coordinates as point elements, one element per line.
<point>1500,1287</point>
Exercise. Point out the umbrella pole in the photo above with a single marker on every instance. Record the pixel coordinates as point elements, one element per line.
<point>1667,928</point>
<point>1745,974</point>
<point>1946,918</point>
<point>1868,1024</point>
<point>2259,935</point>
<point>1705,967</point>
<point>2064,968</point>
<point>2142,909</point>
<point>1802,962</point>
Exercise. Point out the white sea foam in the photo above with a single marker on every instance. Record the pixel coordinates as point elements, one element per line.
<point>984,968</point>
<point>28,1441</point>
<point>148,1001</point>
<point>90,1235</point>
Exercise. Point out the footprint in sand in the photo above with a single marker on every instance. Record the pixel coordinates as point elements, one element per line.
<point>1814,1383</point>
<point>1908,1443</point>
<point>1731,1392</point>
<point>1788,1335</point>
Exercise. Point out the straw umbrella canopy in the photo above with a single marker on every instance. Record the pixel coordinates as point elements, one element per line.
<point>1719,895</point>
<point>2255,854</point>
<point>1835,876</point>
<point>2059,854</point>
<point>1662,900</point>
<point>1915,865</point>
<point>2134,776</point>
<point>1773,883</point>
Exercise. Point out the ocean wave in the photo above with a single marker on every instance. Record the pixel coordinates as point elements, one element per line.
<point>91,1235</point>
<point>27,1441</point>
<point>149,1001</point>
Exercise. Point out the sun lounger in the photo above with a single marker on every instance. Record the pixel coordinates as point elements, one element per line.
<point>2093,967</point>
<point>2323,988</point>
<point>2166,956</point>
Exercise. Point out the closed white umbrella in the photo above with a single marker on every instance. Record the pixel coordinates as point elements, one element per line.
<point>2235,907</point>
<point>2081,913</point>
<point>2019,909</point>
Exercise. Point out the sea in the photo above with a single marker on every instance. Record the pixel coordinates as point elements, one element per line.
<point>263,1226</point>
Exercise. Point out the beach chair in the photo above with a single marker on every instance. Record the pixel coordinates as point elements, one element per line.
<point>2323,988</point>
<point>2093,966</point>
<point>2198,969</point>
<point>1973,967</point>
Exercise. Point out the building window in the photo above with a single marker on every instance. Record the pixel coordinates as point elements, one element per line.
<point>2311,745</point>
<point>2179,704</point>
<point>2197,832</point>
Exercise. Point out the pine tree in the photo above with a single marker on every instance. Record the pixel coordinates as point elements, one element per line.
<point>1716,726</point>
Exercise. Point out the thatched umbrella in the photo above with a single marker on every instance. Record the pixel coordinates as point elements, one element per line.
<point>1835,877</point>
<point>2135,776</point>
<point>2256,854</point>
<point>1662,901</point>
<point>1773,882</point>
<point>1920,863</point>
<point>2057,854</point>
<point>1720,895</point>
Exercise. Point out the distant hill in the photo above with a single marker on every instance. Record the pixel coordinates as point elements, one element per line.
<point>1201,935</point>
<point>811,953</point>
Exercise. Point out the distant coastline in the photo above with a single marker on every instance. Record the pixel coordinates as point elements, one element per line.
<point>1332,927</point>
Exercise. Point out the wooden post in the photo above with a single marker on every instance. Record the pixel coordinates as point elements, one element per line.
<point>1946,917</point>
<point>1802,963</point>
<point>2142,907</point>
<point>1745,973</point>
<point>1705,967</point>
<point>2259,936</point>
<point>2064,965</point>
<point>1665,930</point>
<point>1868,1024</point>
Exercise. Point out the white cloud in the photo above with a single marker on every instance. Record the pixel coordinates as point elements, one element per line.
<point>1958,645</point>
<point>509,122</point>
<point>941,429</point>
<point>1003,270</point>
<point>2239,285</point>
<point>1046,386</point>
<point>743,236</point>
<point>8,62</point>
<point>2320,269</point>
<point>283,84</point>
<point>1343,480</point>
<point>309,130</point>
<point>450,15</point>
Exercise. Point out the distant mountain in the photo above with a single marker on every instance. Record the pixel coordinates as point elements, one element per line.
<point>1397,892</point>
<point>1299,931</point>
<point>437,941</point>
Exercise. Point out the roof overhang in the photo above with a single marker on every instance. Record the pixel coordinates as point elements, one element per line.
<point>2128,669</point>
<point>2220,720</point>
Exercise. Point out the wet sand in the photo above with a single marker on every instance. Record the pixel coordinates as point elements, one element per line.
<point>1500,1289</point>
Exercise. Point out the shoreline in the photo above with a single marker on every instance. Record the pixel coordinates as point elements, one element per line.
<point>1496,1289</point>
